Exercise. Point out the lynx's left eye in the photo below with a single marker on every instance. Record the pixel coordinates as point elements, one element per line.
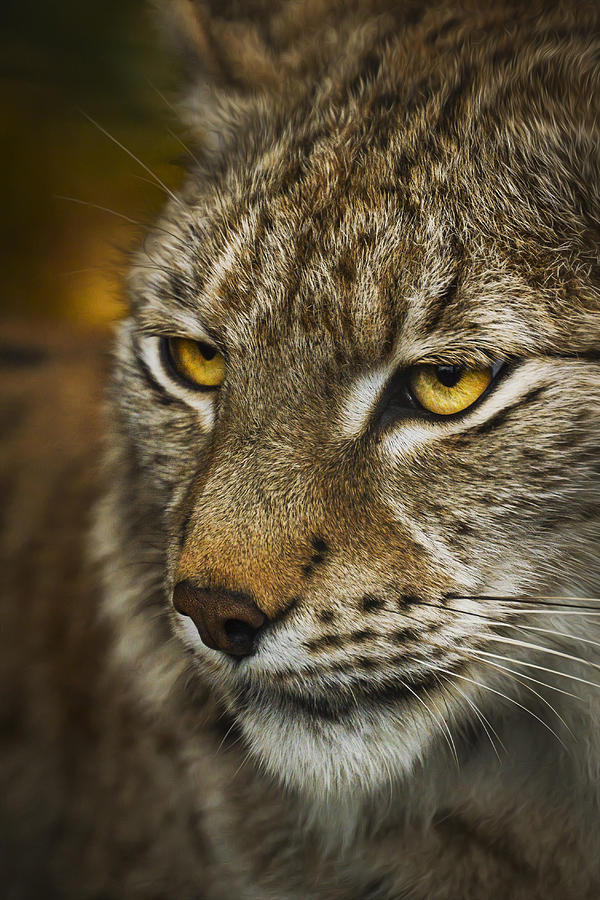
<point>448,389</point>
<point>198,364</point>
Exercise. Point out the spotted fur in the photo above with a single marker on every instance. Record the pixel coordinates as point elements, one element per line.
<point>379,184</point>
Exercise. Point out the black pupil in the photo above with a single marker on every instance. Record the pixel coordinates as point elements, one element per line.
<point>206,351</point>
<point>449,376</point>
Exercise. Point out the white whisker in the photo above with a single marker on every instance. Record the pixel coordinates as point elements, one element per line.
<point>509,659</point>
<point>179,140</point>
<point>184,145</point>
<point>523,599</point>
<point>485,722</point>
<point>129,153</point>
<point>505,697</point>
<point>439,722</point>
<point>530,665</point>
<point>550,631</point>
<point>530,646</point>
<point>472,654</point>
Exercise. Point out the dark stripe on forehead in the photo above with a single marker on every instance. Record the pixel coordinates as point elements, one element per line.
<point>439,305</point>
<point>447,120</point>
<point>440,31</point>
<point>367,72</point>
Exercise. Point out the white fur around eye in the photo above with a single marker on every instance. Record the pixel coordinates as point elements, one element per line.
<point>409,435</point>
<point>203,402</point>
<point>361,402</point>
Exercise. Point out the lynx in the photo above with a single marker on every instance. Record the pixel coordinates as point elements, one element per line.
<point>300,582</point>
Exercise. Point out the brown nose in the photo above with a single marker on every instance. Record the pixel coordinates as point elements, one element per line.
<point>225,620</point>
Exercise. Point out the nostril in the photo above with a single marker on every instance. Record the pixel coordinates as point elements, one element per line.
<point>240,635</point>
<point>226,620</point>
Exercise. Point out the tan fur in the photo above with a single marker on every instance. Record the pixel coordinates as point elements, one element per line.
<point>382,184</point>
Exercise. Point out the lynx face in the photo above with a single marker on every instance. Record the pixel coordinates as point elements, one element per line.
<point>359,385</point>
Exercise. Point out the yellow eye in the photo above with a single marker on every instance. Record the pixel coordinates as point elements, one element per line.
<point>448,389</point>
<point>195,362</point>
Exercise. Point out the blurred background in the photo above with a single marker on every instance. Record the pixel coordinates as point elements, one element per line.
<point>61,63</point>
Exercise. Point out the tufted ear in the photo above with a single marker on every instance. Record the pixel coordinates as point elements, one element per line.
<point>233,52</point>
<point>237,52</point>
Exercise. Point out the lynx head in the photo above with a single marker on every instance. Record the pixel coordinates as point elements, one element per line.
<point>357,396</point>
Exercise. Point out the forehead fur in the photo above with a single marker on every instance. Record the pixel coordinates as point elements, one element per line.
<point>439,173</point>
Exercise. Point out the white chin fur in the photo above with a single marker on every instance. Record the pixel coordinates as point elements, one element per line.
<point>355,757</point>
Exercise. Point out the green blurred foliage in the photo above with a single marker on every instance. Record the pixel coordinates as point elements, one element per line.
<point>58,63</point>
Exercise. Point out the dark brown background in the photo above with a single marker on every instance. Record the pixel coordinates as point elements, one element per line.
<point>58,63</point>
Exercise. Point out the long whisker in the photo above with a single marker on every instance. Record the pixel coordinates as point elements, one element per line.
<point>528,687</point>
<point>164,99</point>
<point>568,610</point>
<point>551,631</point>
<point>105,209</point>
<point>170,106</point>
<point>226,735</point>
<point>444,698</point>
<point>440,608</point>
<point>245,759</point>
<point>136,159</point>
<point>505,697</point>
<point>107,270</point>
<point>516,677</point>
<point>472,654</point>
<point>113,212</point>
<point>530,665</point>
<point>547,601</point>
<point>185,146</point>
<point>517,662</point>
<point>485,722</point>
<point>587,611</point>
<point>87,269</point>
<point>530,646</point>
<point>446,731</point>
<point>145,180</point>
<point>505,624</point>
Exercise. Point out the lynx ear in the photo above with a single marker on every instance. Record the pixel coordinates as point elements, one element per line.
<point>226,43</point>
<point>239,51</point>
<point>232,56</point>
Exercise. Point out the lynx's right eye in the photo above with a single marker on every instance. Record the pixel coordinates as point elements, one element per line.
<point>448,389</point>
<point>197,364</point>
